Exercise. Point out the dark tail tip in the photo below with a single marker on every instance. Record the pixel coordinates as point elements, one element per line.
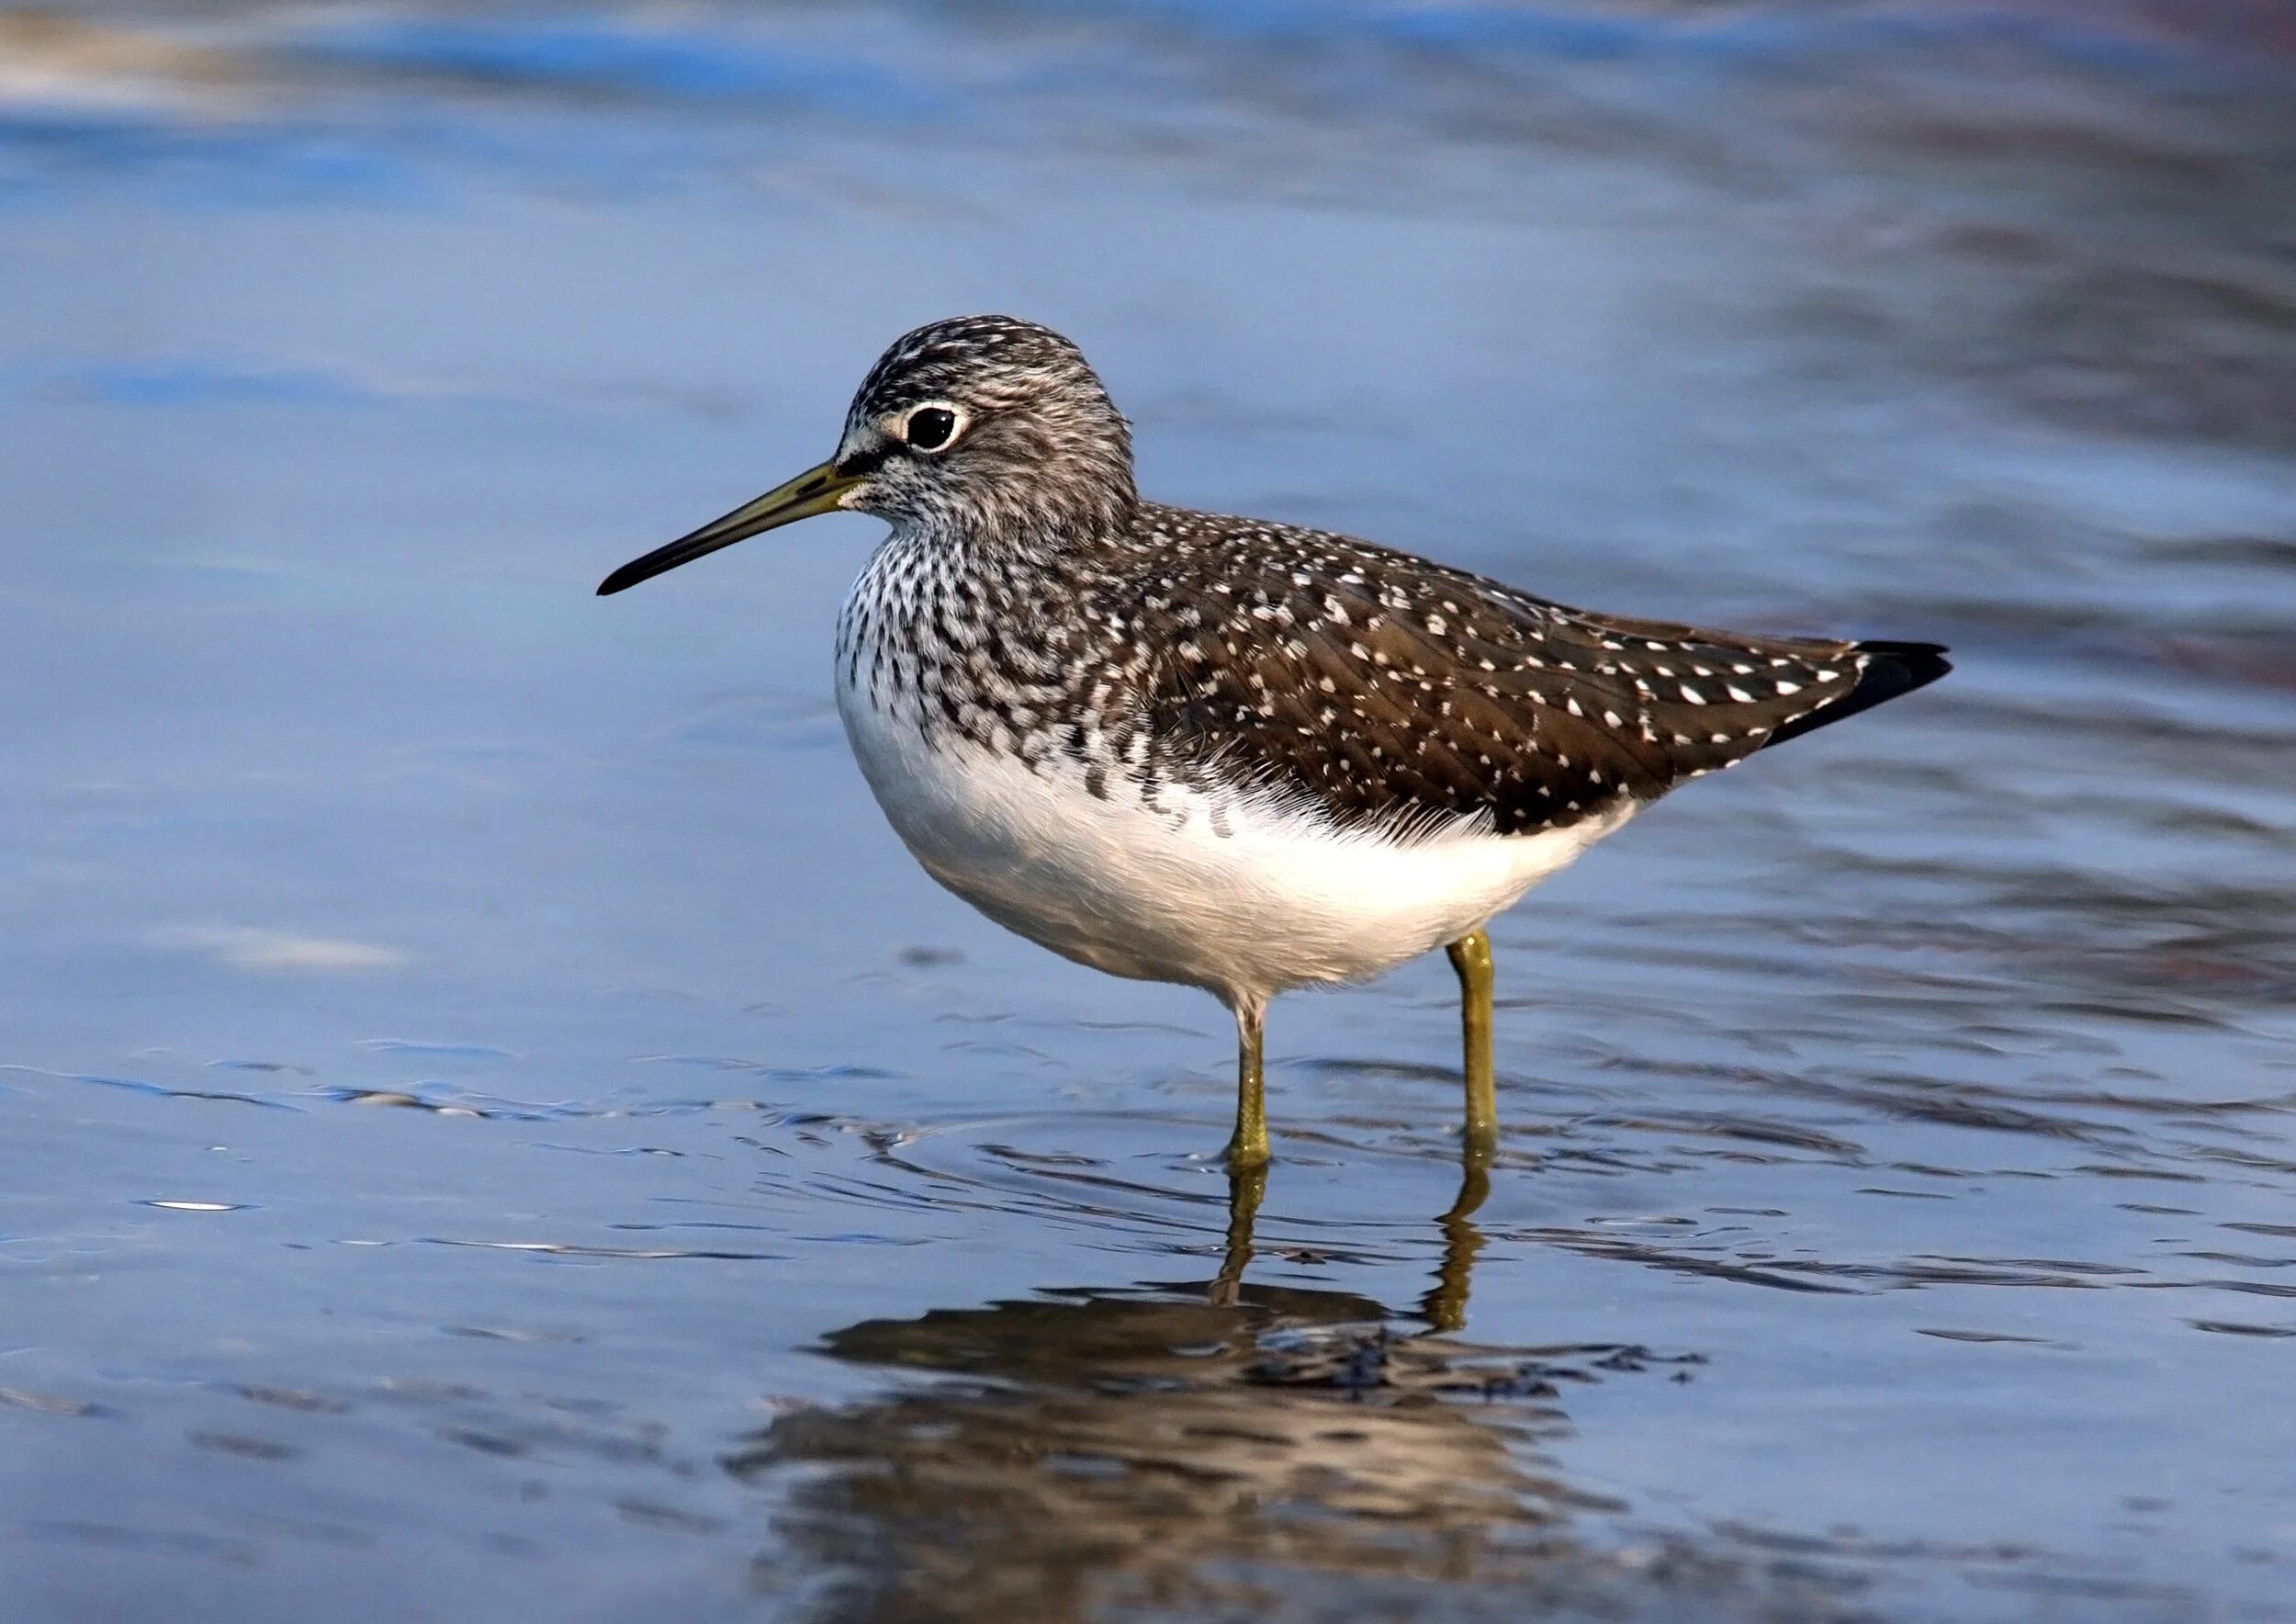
<point>1893,668</point>
<point>1919,664</point>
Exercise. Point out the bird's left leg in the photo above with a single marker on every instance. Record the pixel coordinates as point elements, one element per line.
<point>1471,956</point>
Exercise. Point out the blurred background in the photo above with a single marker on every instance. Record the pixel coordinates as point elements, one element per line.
<point>491,1122</point>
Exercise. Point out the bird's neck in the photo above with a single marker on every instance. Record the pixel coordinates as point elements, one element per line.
<point>950,612</point>
<point>1047,547</point>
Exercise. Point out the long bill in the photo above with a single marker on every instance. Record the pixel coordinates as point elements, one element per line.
<point>816,490</point>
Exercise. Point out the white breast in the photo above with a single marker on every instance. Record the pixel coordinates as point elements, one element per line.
<point>1236,893</point>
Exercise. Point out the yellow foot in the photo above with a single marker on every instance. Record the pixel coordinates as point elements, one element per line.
<point>1244,1154</point>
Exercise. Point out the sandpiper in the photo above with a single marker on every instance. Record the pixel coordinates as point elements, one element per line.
<point>1233,754</point>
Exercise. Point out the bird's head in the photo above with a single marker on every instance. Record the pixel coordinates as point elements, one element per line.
<point>982,427</point>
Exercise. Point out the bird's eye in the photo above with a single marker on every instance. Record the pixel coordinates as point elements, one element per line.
<point>929,428</point>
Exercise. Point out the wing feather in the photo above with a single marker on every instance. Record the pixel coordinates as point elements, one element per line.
<point>1392,692</point>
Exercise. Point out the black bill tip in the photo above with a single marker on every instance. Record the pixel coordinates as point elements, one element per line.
<point>816,490</point>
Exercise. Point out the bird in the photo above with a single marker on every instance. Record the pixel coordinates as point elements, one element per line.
<point>1238,755</point>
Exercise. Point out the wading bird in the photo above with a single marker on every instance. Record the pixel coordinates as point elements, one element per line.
<point>1238,755</point>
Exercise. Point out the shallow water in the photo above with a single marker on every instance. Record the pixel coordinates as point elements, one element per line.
<point>490,1120</point>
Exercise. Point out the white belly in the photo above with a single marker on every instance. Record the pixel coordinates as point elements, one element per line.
<point>1229,893</point>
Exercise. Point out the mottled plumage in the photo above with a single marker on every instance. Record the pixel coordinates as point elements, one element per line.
<point>1217,751</point>
<point>1377,688</point>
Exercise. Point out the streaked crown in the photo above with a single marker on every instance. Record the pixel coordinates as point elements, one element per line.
<point>989,425</point>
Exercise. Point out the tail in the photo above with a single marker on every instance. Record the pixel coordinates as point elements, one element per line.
<point>1891,669</point>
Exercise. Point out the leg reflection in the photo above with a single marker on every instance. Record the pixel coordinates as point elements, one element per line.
<point>1444,1305</point>
<point>1245,1187</point>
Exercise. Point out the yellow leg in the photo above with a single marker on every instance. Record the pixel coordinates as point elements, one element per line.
<point>1471,956</point>
<point>1247,1147</point>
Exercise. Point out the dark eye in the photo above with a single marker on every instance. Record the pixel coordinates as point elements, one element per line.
<point>930,427</point>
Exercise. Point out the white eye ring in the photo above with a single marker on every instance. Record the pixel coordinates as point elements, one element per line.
<point>932,412</point>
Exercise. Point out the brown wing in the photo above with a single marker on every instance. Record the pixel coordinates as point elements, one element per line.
<point>1389,692</point>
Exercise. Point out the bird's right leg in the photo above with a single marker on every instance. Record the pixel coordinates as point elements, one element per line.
<point>1247,1147</point>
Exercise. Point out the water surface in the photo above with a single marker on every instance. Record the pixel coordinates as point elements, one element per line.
<point>490,1119</point>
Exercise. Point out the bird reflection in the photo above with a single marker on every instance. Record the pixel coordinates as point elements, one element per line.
<point>1156,1445</point>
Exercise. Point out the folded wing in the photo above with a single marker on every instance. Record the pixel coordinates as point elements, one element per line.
<point>1387,691</point>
